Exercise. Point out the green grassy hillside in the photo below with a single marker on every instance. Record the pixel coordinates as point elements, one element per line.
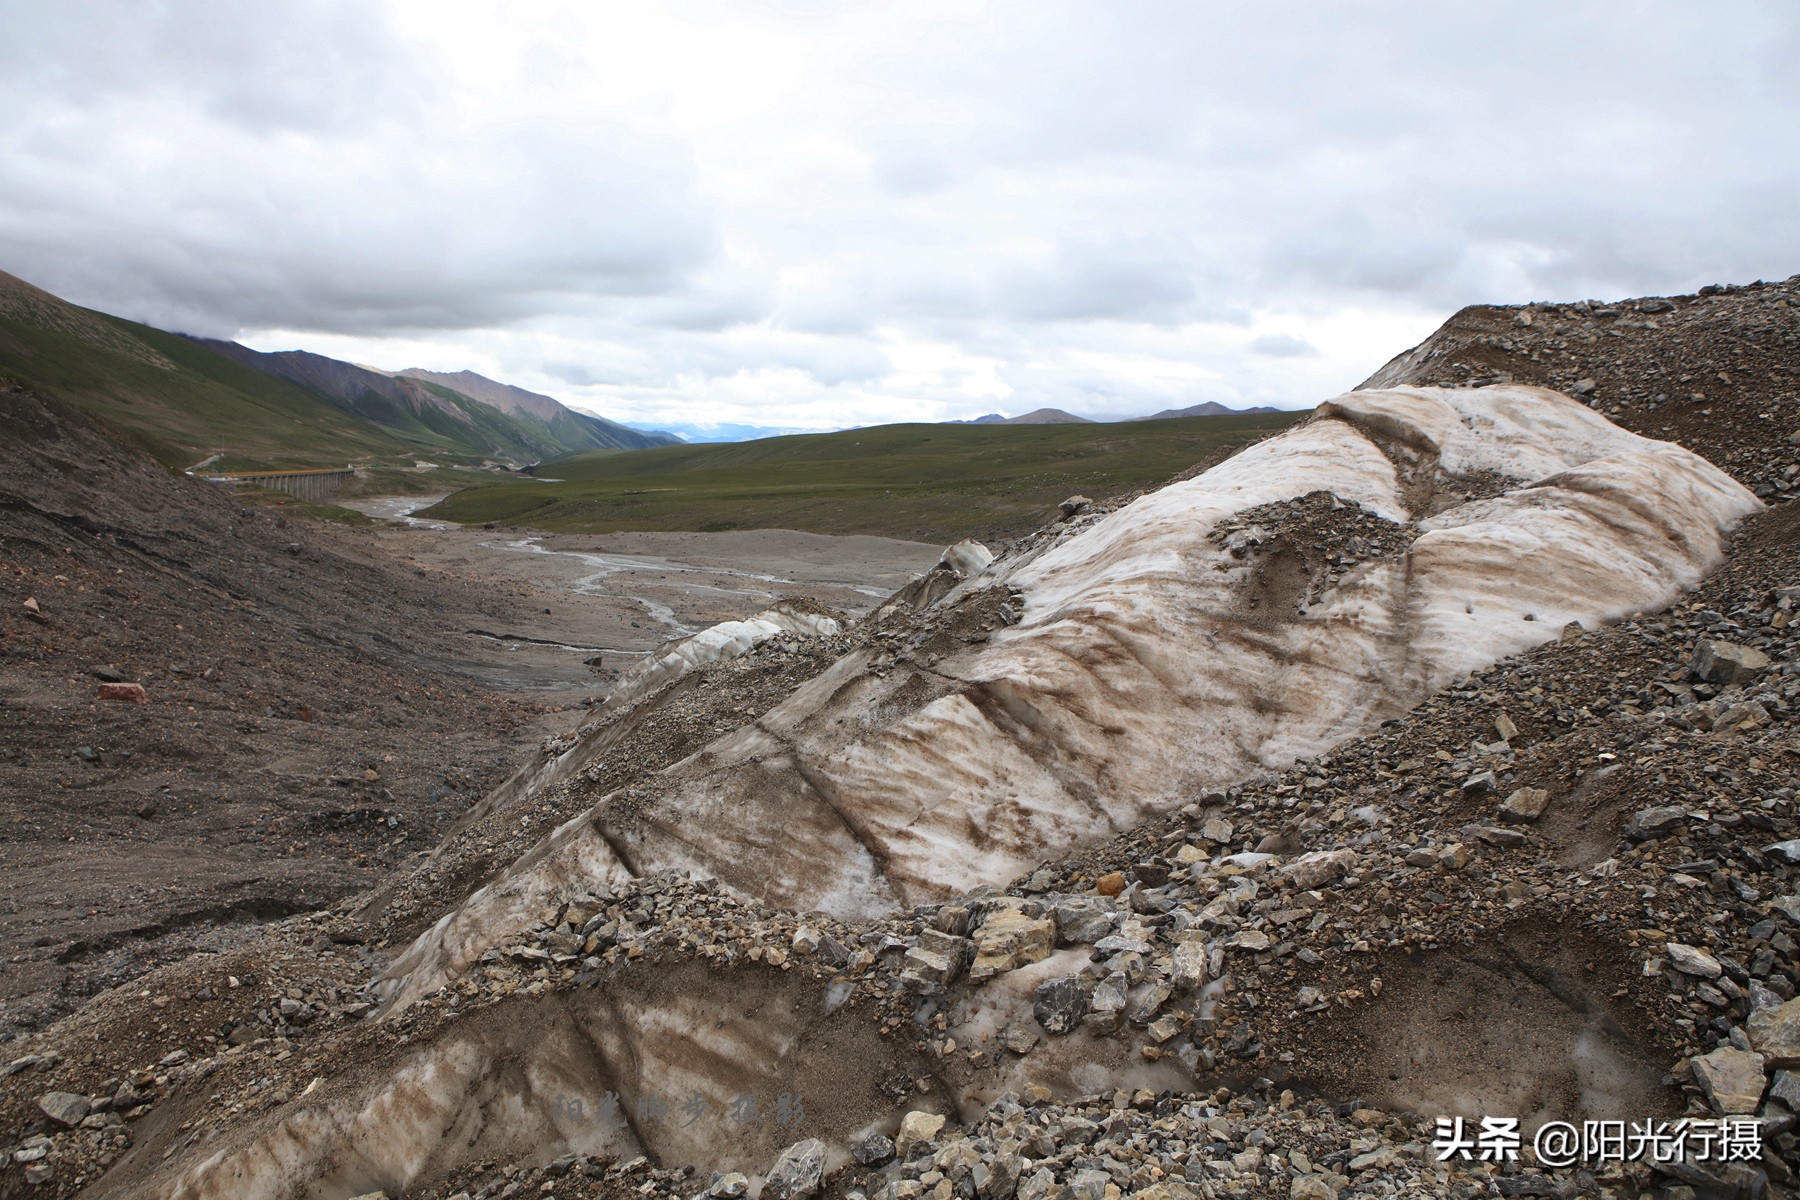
<point>168,397</point>
<point>182,399</point>
<point>925,482</point>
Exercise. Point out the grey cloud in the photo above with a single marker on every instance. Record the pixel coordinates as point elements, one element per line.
<point>316,65</point>
<point>931,206</point>
<point>1097,281</point>
<point>1282,345</point>
<point>405,238</point>
<point>220,168</point>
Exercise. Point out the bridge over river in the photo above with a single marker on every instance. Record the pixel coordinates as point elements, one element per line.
<point>302,485</point>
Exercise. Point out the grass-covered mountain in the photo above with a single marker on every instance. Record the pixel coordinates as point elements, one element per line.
<point>418,404</point>
<point>577,430</point>
<point>925,482</point>
<point>169,397</point>
<point>182,399</point>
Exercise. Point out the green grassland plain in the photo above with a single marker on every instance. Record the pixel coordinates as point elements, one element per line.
<point>931,483</point>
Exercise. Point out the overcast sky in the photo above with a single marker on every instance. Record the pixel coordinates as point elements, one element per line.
<point>812,214</point>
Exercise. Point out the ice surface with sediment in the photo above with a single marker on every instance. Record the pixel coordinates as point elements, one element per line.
<point>716,643</point>
<point>1150,662</point>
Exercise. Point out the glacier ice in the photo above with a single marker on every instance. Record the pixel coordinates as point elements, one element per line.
<point>1149,662</point>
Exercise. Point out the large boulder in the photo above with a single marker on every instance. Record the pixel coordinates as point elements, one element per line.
<point>1010,939</point>
<point>1732,1079</point>
<point>1319,868</point>
<point>797,1173</point>
<point>1775,1033</point>
<point>1654,822</point>
<point>1187,966</point>
<point>1083,920</point>
<point>1060,1004</point>
<point>917,1129</point>
<point>936,962</point>
<point>65,1108</point>
<point>1525,805</point>
<point>1690,960</point>
<point>1726,663</point>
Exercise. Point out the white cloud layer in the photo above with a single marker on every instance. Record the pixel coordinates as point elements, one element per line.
<point>814,214</point>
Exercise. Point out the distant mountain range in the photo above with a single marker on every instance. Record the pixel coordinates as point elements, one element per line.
<point>566,424</point>
<point>180,398</point>
<point>1209,409</point>
<point>1039,416</point>
<point>1056,416</point>
<point>470,410</point>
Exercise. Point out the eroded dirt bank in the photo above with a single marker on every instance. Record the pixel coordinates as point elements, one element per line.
<point>318,708</point>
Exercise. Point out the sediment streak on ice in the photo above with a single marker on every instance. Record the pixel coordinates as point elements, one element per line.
<point>1149,662</point>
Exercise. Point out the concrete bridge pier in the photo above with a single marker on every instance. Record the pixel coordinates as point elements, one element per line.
<point>313,486</point>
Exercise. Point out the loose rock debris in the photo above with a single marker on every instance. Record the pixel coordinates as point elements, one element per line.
<point>1566,886</point>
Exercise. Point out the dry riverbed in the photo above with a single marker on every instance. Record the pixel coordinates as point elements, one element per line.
<point>614,597</point>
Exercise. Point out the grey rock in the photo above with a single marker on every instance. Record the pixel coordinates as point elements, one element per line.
<point>65,1108</point>
<point>1187,967</point>
<point>917,1129</point>
<point>1785,1087</point>
<point>1787,852</point>
<point>1113,943</point>
<point>1727,662</point>
<point>1106,1005</point>
<point>1479,784</point>
<point>936,962</point>
<point>1731,1079</point>
<point>1019,1038</point>
<point>998,1178</point>
<point>1038,1185</point>
<point>1088,1185</point>
<point>1083,920</point>
<point>1319,868</point>
<point>1060,1004</point>
<point>1525,805</point>
<point>797,1174</point>
<point>1775,1033</point>
<point>1692,961</point>
<point>1654,822</point>
<point>873,1150</point>
<point>1150,1003</point>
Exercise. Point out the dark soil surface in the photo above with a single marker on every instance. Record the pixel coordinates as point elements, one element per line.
<point>314,716</point>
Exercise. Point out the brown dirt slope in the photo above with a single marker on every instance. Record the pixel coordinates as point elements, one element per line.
<point>302,731</point>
